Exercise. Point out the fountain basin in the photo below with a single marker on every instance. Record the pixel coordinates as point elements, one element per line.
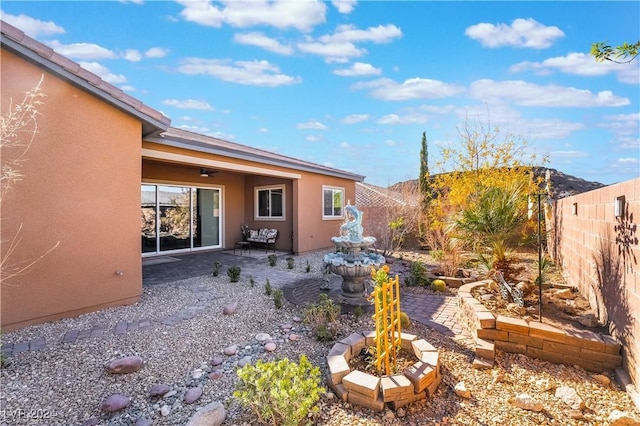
<point>354,272</point>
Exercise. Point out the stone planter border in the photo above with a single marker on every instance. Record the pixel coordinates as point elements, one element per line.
<point>587,349</point>
<point>420,381</point>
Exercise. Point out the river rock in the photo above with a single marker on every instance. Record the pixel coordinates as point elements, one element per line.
<point>165,410</point>
<point>212,414</point>
<point>129,364</point>
<point>262,337</point>
<point>159,390</point>
<point>216,361</point>
<point>230,308</point>
<point>231,350</point>
<point>270,347</point>
<point>192,395</point>
<point>143,421</point>
<point>115,402</point>
<point>216,374</point>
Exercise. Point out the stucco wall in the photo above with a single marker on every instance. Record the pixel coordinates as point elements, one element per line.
<point>599,254</point>
<point>81,188</point>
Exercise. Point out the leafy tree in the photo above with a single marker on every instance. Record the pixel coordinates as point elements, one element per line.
<point>622,54</point>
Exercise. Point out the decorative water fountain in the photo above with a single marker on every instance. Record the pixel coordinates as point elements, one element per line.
<point>352,259</point>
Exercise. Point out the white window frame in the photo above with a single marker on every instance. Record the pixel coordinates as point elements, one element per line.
<point>256,198</point>
<point>333,189</point>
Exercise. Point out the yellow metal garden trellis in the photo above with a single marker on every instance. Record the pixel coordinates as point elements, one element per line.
<point>387,320</point>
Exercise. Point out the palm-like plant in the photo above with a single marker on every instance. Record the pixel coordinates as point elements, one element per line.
<point>490,224</point>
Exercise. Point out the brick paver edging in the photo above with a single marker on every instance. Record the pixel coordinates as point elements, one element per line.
<point>417,382</point>
<point>591,351</point>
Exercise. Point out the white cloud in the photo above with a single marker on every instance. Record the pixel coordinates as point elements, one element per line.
<point>521,33</point>
<point>263,130</point>
<point>103,72</point>
<point>260,40</point>
<point>301,15</point>
<point>197,129</point>
<point>413,88</point>
<point>529,94</point>
<point>128,88</point>
<point>350,33</point>
<point>311,125</point>
<point>569,154</point>
<point>188,104</point>
<point>86,51</point>
<point>313,138</point>
<point>411,118</point>
<point>252,73</point>
<point>355,118</point>
<point>132,55</point>
<point>390,142</point>
<point>580,64</point>
<point>223,136</point>
<point>30,26</point>
<point>333,52</point>
<point>156,52</point>
<point>344,6</point>
<point>438,109</point>
<point>358,69</point>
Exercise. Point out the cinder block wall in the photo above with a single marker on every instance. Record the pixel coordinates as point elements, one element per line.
<point>599,254</point>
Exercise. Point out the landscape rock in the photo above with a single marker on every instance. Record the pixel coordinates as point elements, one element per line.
<point>462,391</point>
<point>565,293</point>
<point>212,414</point>
<point>270,347</point>
<point>159,390</point>
<point>570,397</point>
<point>230,309</point>
<point>544,385</point>
<point>231,350</point>
<point>165,410</point>
<point>622,418</point>
<point>589,320</point>
<point>216,361</point>
<point>602,379</point>
<point>143,421</point>
<point>129,364</point>
<point>192,395</point>
<point>244,361</point>
<point>263,337</point>
<point>115,402</point>
<point>527,402</point>
<point>216,374</point>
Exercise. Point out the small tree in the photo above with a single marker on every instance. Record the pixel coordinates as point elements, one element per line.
<point>622,54</point>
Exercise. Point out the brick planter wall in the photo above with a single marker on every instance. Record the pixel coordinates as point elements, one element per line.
<point>591,351</point>
<point>417,382</point>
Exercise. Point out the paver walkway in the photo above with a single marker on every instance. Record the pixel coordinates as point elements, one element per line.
<point>435,311</point>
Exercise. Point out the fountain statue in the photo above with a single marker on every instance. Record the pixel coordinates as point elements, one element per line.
<point>352,259</point>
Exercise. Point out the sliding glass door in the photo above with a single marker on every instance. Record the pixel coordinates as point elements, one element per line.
<point>179,218</point>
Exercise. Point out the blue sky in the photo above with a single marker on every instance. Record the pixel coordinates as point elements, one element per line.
<point>353,85</point>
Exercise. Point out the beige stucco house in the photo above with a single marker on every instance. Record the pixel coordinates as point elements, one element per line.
<point>106,181</point>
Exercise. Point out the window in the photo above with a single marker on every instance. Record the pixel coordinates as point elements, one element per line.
<point>332,202</point>
<point>269,202</point>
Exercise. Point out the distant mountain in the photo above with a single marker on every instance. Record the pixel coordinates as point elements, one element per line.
<point>562,185</point>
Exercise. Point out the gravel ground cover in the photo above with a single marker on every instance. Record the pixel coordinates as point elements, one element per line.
<point>66,383</point>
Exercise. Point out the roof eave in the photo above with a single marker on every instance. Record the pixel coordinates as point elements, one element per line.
<point>191,145</point>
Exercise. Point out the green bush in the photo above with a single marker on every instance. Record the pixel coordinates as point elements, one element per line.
<point>234,273</point>
<point>280,392</point>
<point>267,288</point>
<point>322,317</point>
<point>418,275</point>
<point>278,298</point>
<point>273,259</point>
<point>358,312</point>
<point>438,285</point>
<point>290,262</point>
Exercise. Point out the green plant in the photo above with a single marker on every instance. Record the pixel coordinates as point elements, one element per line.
<point>217,266</point>
<point>308,268</point>
<point>418,274</point>
<point>267,288</point>
<point>322,317</point>
<point>290,262</point>
<point>438,285</point>
<point>280,392</point>
<point>252,282</point>
<point>357,312</point>
<point>234,273</point>
<point>278,298</point>
<point>405,321</point>
<point>273,259</point>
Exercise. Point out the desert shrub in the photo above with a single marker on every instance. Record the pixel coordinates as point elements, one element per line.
<point>357,312</point>
<point>437,254</point>
<point>273,259</point>
<point>418,275</point>
<point>278,298</point>
<point>322,317</point>
<point>280,392</point>
<point>267,288</point>
<point>438,285</point>
<point>290,262</point>
<point>217,266</point>
<point>234,273</point>
<point>405,321</point>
